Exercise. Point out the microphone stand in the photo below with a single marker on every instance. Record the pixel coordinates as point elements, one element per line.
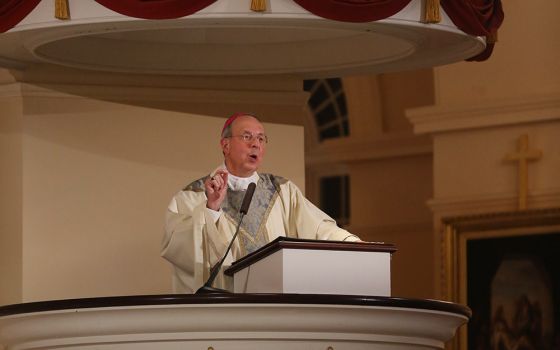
<point>207,287</point>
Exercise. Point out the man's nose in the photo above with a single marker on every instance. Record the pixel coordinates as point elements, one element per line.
<point>255,143</point>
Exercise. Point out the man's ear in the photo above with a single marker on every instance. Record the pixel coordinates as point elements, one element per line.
<point>224,143</point>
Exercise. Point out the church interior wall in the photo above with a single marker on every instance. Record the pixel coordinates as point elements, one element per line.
<point>390,171</point>
<point>482,109</point>
<point>123,152</point>
<point>97,175</point>
<point>10,199</point>
<point>386,192</point>
<point>523,65</point>
<point>471,163</point>
<point>364,110</point>
<point>473,115</point>
<point>275,99</point>
<point>388,204</point>
<point>401,91</point>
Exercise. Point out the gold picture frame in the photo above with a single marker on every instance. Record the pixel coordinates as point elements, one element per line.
<point>462,231</point>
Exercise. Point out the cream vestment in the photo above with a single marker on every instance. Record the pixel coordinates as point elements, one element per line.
<point>194,241</point>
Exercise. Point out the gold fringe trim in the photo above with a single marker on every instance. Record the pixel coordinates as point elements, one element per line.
<point>431,13</point>
<point>61,9</point>
<point>258,5</point>
<point>492,38</point>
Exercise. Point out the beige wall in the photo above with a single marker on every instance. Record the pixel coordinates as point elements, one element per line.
<point>116,164</point>
<point>472,177</point>
<point>471,164</point>
<point>385,192</point>
<point>390,172</point>
<point>96,177</point>
<point>10,200</point>
<point>388,201</point>
<point>524,63</point>
<point>481,111</point>
<point>474,113</point>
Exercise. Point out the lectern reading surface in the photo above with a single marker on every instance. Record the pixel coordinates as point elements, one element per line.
<point>290,265</point>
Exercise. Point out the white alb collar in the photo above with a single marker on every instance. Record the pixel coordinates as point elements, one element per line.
<point>237,183</point>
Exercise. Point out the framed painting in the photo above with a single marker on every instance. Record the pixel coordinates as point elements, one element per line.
<point>506,268</point>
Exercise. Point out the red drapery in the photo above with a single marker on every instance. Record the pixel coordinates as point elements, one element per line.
<point>13,11</point>
<point>156,9</point>
<point>353,10</point>
<point>476,17</point>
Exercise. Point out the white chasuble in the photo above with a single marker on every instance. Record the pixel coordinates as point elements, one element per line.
<point>194,242</point>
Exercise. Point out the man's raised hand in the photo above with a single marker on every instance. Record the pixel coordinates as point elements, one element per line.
<point>216,189</point>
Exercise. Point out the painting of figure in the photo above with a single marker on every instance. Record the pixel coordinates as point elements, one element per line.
<point>513,288</point>
<point>521,305</point>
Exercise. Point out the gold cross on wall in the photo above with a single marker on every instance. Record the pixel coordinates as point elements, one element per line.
<point>523,156</point>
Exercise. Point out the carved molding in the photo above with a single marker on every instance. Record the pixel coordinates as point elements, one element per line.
<point>345,150</point>
<point>134,93</point>
<point>404,229</point>
<point>438,119</point>
<point>464,205</point>
<point>456,231</point>
<point>10,90</point>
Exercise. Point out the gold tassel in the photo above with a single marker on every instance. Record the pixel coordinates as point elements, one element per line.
<point>431,13</point>
<point>258,5</point>
<point>493,37</point>
<point>61,9</point>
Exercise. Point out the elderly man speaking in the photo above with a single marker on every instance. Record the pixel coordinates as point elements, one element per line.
<point>203,217</point>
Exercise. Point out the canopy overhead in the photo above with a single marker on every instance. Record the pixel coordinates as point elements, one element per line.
<point>228,37</point>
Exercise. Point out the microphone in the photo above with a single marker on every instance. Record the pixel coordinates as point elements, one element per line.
<point>207,287</point>
<point>247,199</point>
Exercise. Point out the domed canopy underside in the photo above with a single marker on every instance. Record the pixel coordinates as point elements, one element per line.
<point>215,42</point>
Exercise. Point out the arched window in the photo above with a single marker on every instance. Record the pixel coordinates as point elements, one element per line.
<point>327,103</point>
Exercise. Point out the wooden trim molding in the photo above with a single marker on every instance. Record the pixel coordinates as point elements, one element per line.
<point>439,119</point>
<point>230,298</point>
<point>310,244</point>
<point>347,150</point>
<point>458,230</point>
<point>163,94</point>
<point>492,203</point>
<point>240,321</point>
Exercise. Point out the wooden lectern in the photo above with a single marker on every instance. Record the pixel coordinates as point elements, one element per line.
<point>290,265</point>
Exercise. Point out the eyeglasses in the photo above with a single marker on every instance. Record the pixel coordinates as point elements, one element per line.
<point>248,138</point>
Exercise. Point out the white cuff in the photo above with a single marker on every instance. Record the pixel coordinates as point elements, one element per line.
<point>351,238</point>
<point>214,214</point>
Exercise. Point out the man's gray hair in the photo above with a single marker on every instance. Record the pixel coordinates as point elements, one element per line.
<point>227,131</point>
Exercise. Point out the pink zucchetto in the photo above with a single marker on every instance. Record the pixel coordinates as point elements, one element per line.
<point>234,116</point>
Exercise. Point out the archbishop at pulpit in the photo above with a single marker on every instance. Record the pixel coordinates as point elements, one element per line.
<point>203,217</point>
<point>312,282</point>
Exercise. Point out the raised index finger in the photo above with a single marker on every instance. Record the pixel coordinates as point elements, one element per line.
<point>222,173</point>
